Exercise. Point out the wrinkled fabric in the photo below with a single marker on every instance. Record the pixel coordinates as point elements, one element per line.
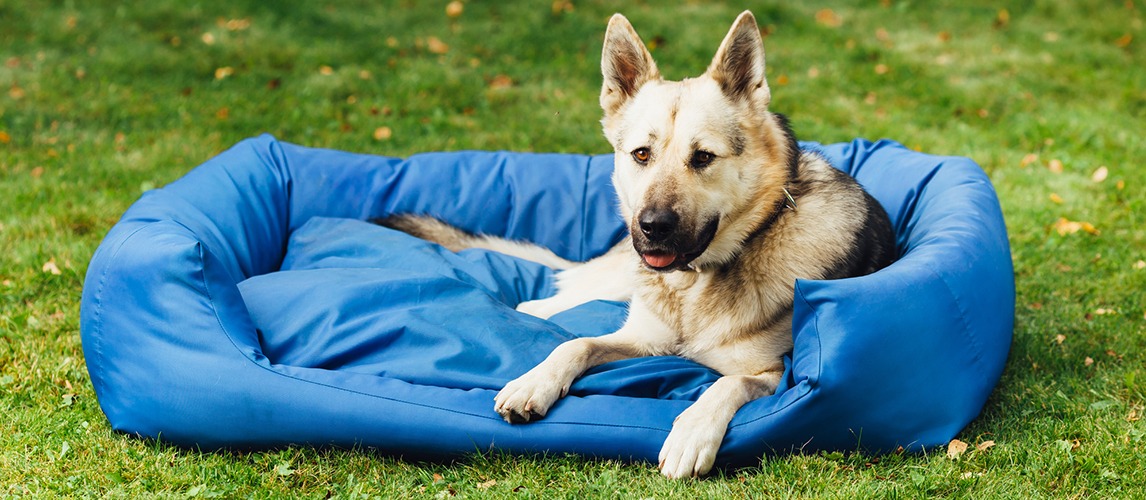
<point>248,305</point>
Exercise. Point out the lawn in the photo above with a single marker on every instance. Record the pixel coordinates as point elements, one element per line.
<point>101,101</point>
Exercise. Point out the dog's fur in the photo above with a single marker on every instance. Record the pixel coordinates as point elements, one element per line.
<point>702,169</point>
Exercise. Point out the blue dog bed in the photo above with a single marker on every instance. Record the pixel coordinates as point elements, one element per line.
<point>248,305</point>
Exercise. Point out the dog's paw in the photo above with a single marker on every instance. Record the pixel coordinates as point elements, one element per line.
<point>528,397</point>
<point>543,308</point>
<point>690,449</point>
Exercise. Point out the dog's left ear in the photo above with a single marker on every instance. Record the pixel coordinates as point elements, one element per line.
<point>739,63</point>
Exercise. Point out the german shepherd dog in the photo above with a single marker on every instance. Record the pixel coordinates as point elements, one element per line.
<point>724,212</point>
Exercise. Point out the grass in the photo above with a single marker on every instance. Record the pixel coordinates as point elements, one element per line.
<point>101,101</point>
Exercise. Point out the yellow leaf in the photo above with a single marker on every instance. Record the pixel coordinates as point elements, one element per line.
<point>454,9</point>
<point>1123,40</point>
<point>208,38</point>
<point>782,80</point>
<point>984,445</point>
<point>326,70</point>
<point>382,133</point>
<point>829,18</point>
<point>1055,166</point>
<point>1088,361</point>
<point>1060,338</point>
<point>955,448</point>
<point>4,137</point>
<point>1055,198</point>
<point>881,69</point>
<point>1028,159</point>
<point>50,267</point>
<point>437,46</point>
<point>1140,264</point>
<point>224,72</point>
<point>1100,174</point>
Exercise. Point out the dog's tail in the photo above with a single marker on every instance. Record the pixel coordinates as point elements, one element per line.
<point>455,239</point>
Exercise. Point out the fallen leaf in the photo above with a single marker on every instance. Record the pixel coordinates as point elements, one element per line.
<point>955,448</point>
<point>12,62</point>
<point>1100,174</point>
<point>813,72</point>
<point>984,445</point>
<point>1064,226</point>
<point>1088,361</point>
<point>1123,40</point>
<point>382,133</point>
<point>437,46</point>
<point>80,73</point>
<point>1055,166</point>
<point>829,18</point>
<point>562,6</point>
<point>1120,185</point>
<point>4,137</point>
<point>455,8</point>
<point>1055,198</point>
<point>870,98</point>
<point>944,36</point>
<point>326,70</point>
<point>782,80</point>
<point>365,75</point>
<point>224,72</point>
<point>1140,264</point>
<point>50,267</point>
<point>274,83</point>
<point>208,38</point>
<point>983,113</point>
<point>882,35</point>
<point>1002,18</point>
<point>1060,338</point>
<point>486,485</point>
<point>881,69</point>
<point>119,137</point>
<point>15,92</point>
<point>238,24</point>
<point>223,113</point>
<point>1037,305</point>
<point>1111,353</point>
<point>37,172</point>
<point>1050,36</point>
<point>438,478</point>
<point>1088,227</point>
<point>501,82</point>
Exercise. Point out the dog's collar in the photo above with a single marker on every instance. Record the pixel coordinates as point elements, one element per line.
<point>791,202</point>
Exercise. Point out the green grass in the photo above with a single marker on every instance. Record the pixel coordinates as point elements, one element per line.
<point>99,102</point>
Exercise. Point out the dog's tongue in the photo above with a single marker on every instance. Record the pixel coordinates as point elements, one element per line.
<point>659,260</point>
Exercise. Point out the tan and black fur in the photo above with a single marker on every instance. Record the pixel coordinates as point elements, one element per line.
<point>702,169</point>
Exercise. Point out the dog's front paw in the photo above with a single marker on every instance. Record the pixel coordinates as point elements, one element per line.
<point>690,449</point>
<point>529,397</point>
<point>543,308</point>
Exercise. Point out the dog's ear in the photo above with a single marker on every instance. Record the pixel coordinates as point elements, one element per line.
<point>739,63</point>
<point>625,63</point>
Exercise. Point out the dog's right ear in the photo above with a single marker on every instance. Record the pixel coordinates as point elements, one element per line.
<point>625,63</point>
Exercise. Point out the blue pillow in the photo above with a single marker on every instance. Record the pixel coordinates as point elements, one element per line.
<point>247,305</point>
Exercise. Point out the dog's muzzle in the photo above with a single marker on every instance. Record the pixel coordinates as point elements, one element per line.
<point>662,243</point>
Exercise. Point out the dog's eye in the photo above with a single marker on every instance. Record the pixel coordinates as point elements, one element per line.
<point>641,155</point>
<point>701,159</point>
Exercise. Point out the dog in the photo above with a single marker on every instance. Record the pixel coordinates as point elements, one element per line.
<point>725,212</point>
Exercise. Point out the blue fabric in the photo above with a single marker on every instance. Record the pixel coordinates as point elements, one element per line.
<point>247,305</point>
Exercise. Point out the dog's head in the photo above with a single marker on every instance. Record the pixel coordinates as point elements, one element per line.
<point>701,163</point>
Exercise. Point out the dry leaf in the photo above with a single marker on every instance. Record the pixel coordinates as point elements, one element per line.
<point>501,82</point>
<point>455,8</point>
<point>238,24</point>
<point>1060,338</point>
<point>881,69</point>
<point>983,113</point>
<point>438,478</point>
<point>1050,36</point>
<point>1055,166</point>
<point>4,137</point>
<point>562,6</point>
<point>829,18</point>
<point>1134,416</point>
<point>955,448</point>
<point>365,75</point>
<point>1100,174</point>
<point>1140,264</point>
<point>881,34</point>
<point>984,445</point>
<point>223,113</point>
<point>1088,361</point>
<point>813,72</point>
<point>224,72</point>
<point>1088,227</point>
<point>37,172</point>
<point>1123,40</point>
<point>870,98</point>
<point>782,80</point>
<point>486,485</point>
<point>382,133</point>
<point>119,137</point>
<point>50,267</point>
<point>1120,185</point>
<point>12,62</point>
<point>326,70</point>
<point>208,38</point>
<point>15,92</point>
<point>944,36</point>
<point>391,42</point>
<point>1055,198</point>
<point>1064,227</point>
<point>437,46</point>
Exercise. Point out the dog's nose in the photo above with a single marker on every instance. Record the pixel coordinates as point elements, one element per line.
<point>658,223</point>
